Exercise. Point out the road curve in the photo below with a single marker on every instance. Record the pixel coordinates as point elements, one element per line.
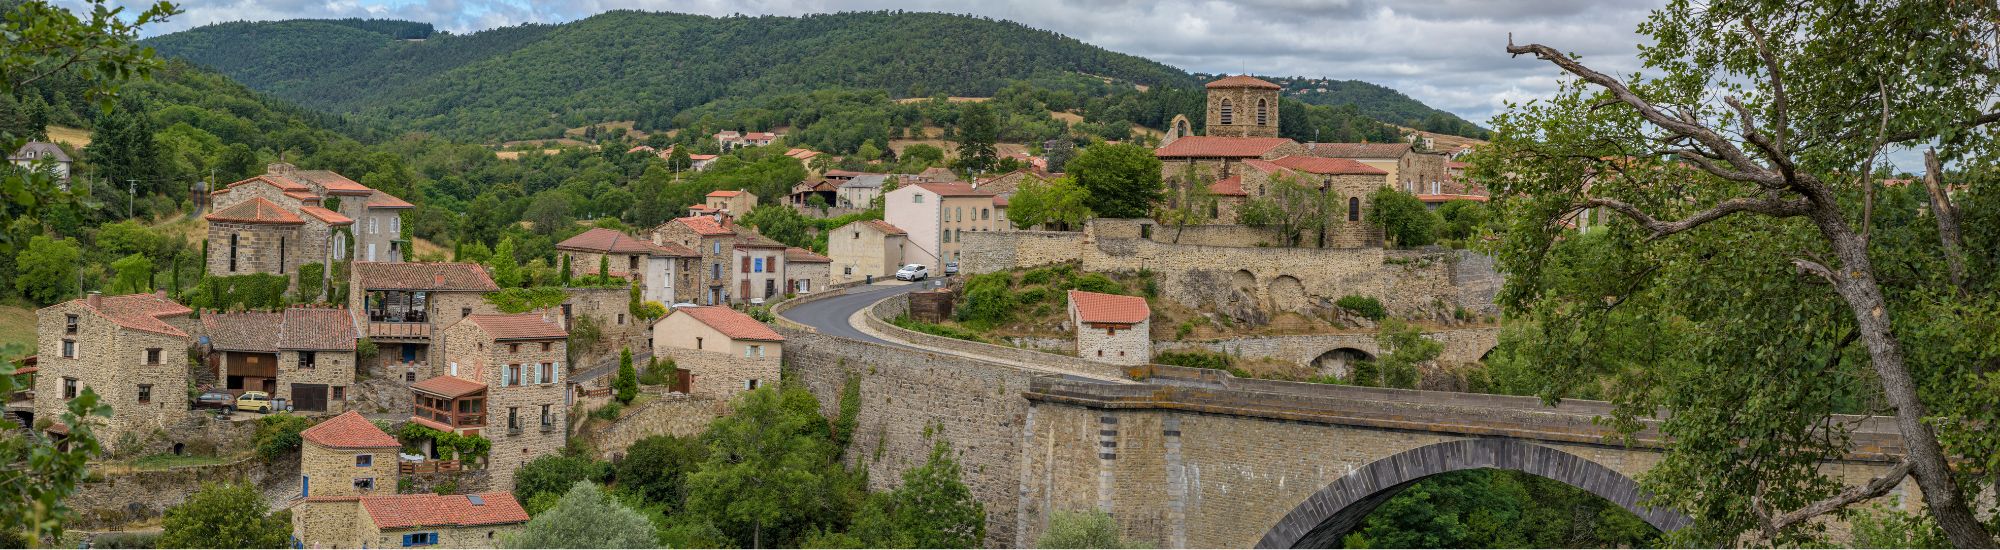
<point>836,317</point>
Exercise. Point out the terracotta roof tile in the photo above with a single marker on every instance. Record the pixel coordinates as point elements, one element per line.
<point>704,225</point>
<point>328,216</point>
<point>729,322</point>
<point>334,183</point>
<point>1243,81</point>
<point>256,210</point>
<point>885,227</point>
<point>954,189</point>
<point>142,312</point>
<point>522,326</point>
<point>1231,186</point>
<point>280,182</point>
<point>671,249</point>
<point>251,331</point>
<point>1324,165</point>
<point>602,241</point>
<point>448,386</point>
<point>724,193</point>
<point>317,328</point>
<point>999,201</point>
<point>1093,307</point>
<point>1211,146</point>
<point>1358,150</point>
<point>422,276</point>
<point>800,255</point>
<point>349,431</point>
<point>425,510</point>
<point>385,200</point>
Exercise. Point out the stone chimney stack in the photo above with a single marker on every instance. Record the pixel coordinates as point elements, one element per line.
<point>280,169</point>
<point>95,299</point>
<point>161,294</point>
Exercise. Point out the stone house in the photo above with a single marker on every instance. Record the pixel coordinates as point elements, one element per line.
<point>401,305</point>
<point>858,190</point>
<point>803,192</point>
<point>347,456</point>
<point>713,237</point>
<point>30,156</point>
<point>735,202</point>
<point>867,248</point>
<point>502,380</point>
<point>1111,328</point>
<point>937,216</point>
<point>131,350</point>
<point>304,355</point>
<point>805,271</point>
<point>701,162</point>
<point>731,139</point>
<point>402,521</point>
<point>760,273</point>
<point>725,350</point>
<point>1242,106</point>
<point>285,218</point>
<point>665,272</point>
<point>1413,171</point>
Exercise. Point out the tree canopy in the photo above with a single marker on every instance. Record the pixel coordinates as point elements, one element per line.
<point>585,518</point>
<point>1123,180</point>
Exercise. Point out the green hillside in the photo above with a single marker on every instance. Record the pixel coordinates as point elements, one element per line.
<point>1382,103</point>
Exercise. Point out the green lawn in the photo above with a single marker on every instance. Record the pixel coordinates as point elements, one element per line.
<point>17,332</point>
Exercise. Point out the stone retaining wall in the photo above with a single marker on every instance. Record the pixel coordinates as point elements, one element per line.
<point>893,306</point>
<point>1464,345</point>
<point>447,483</point>
<point>121,499</point>
<point>673,414</point>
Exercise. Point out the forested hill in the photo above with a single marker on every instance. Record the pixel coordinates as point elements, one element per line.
<point>634,65</point>
<point>1382,103</point>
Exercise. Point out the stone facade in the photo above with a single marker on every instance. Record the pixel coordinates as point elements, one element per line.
<point>1242,111</point>
<point>341,472</point>
<point>333,369</point>
<point>807,277</point>
<point>526,415</point>
<point>132,351</point>
<point>108,500</point>
<point>721,376</point>
<point>345,522</point>
<point>863,249</point>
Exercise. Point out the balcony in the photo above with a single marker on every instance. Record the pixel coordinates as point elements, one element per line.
<point>456,421</point>
<point>391,331</point>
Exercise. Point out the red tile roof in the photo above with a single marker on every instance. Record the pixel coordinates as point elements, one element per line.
<point>422,276</point>
<point>671,249</point>
<point>954,189</point>
<point>142,312</point>
<point>844,173</point>
<point>1231,186</point>
<point>1323,165</point>
<point>704,225</point>
<point>274,181</point>
<point>427,510</point>
<point>317,328</point>
<point>999,201</point>
<point>328,216</point>
<point>1093,307</point>
<point>521,326</point>
<point>448,386</point>
<point>724,193</point>
<point>385,200</point>
<point>302,195</point>
<point>349,431</point>
<point>702,157</point>
<point>1243,81</point>
<point>257,210</point>
<point>885,227</point>
<point>334,183</point>
<point>602,241</point>
<point>729,322</point>
<point>800,255</point>
<point>252,331</point>
<point>1211,146</point>
<point>1358,150</point>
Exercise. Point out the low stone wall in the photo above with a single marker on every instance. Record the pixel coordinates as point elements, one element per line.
<point>778,309</point>
<point>446,483</point>
<point>116,500</point>
<point>1460,345</point>
<point>672,414</point>
<point>1216,235</point>
<point>890,307</point>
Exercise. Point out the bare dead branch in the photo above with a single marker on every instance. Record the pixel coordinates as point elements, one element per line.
<point>1779,115</point>
<point>1868,170</point>
<point>1660,229</point>
<point>1809,267</point>
<point>1947,219</point>
<point>1875,488</point>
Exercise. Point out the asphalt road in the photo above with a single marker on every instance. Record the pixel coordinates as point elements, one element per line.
<point>832,316</point>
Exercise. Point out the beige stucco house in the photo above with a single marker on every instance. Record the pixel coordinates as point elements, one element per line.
<point>937,216</point>
<point>727,351</point>
<point>868,248</point>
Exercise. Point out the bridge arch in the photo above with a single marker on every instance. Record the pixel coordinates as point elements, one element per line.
<point>1339,361</point>
<point>1338,507</point>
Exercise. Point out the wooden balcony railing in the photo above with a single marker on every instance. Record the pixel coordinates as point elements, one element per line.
<point>382,330</point>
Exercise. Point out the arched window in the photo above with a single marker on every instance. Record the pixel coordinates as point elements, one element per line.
<point>1227,116</point>
<point>1353,209</point>
<point>1181,128</point>
<point>1263,114</point>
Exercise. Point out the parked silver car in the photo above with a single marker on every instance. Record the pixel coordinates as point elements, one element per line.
<point>913,272</point>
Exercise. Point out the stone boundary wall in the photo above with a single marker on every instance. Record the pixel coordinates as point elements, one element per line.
<point>117,500</point>
<point>1215,235</point>
<point>878,315</point>
<point>778,309</point>
<point>906,394</point>
<point>1464,345</point>
<point>672,414</point>
<point>460,482</point>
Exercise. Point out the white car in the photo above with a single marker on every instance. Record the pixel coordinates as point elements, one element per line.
<point>913,272</point>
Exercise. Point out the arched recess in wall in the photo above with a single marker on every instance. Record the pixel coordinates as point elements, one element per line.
<point>1331,512</point>
<point>1244,283</point>
<point>1339,362</point>
<point>1288,294</point>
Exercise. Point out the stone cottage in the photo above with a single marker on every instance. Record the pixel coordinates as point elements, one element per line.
<point>502,380</point>
<point>726,351</point>
<point>304,355</point>
<point>867,248</point>
<point>347,456</point>
<point>401,306</point>
<point>665,272</point>
<point>806,272</point>
<point>131,350</point>
<point>735,202</point>
<point>1111,328</point>
<point>713,237</point>
<point>403,521</point>
<point>286,218</point>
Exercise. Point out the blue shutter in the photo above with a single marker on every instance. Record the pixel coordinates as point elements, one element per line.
<point>407,541</point>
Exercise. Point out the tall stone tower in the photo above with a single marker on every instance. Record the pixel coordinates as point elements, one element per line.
<point>1242,106</point>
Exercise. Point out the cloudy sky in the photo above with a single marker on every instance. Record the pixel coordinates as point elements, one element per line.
<point>1446,53</point>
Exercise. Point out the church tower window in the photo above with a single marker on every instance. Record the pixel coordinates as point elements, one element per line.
<point>1227,116</point>
<point>1263,114</point>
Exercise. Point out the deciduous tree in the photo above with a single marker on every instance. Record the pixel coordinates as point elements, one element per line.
<point>225,515</point>
<point>1123,180</point>
<point>585,518</point>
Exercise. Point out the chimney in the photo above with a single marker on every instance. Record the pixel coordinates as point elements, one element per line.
<point>161,294</point>
<point>279,168</point>
<point>95,299</point>
<point>437,279</point>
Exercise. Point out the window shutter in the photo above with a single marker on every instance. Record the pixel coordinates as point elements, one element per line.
<point>746,264</point>
<point>408,540</point>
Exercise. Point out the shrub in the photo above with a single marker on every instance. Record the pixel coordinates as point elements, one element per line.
<point>1096,282</point>
<point>1365,306</point>
<point>1082,529</point>
<point>608,412</point>
<point>626,386</point>
<point>1038,276</point>
<point>1197,359</point>
<point>657,373</point>
<point>987,300</point>
<point>935,329</point>
<point>278,434</point>
<point>126,539</point>
<point>555,474</point>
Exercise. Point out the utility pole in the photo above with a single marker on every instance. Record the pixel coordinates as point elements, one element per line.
<point>132,201</point>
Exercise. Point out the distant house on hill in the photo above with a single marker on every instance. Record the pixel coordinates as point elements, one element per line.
<point>731,139</point>
<point>37,153</point>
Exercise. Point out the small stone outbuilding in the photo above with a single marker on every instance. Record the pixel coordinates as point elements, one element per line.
<point>347,456</point>
<point>402,521</point>
<point>1111,328</point>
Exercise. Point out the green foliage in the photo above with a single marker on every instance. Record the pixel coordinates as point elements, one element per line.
<point>626,386</point>
<point>134,275</point>
<point>448,445</point>
<point>772,473</point>
<point>34,503</point>
<point>608,412</point>
<point>1123,181</point>
<point>523,300</point>
<point>1409,350</point>
<point>45,271</point>
<point>1197,359</point>
<point>1487,508</point>
<point>555,475</point>
<point>1365,306</point>
<point>978,131</point>
<point>128,539</point>
<point>931,509</point>
<point>505,266</point>
<point>1095,282</point>
<point>312,280</point>
<point>585,517</point>
<point>988,300</point>
<point>253,291</point>
<point>1297,211</point>
<point>657,468</point>
<point>364,351</point>
<point>228,515</point>
<point>278,434</point>
<point>780,223</point>
<point>935,329</point>
<point>1057,203</point>
<point>1880,526</point>
<point>1404,220</point>
<point>657,373</point>
<point>688,530</point>
<point>1464,219</point>
<point>850,411</point>
<point>1082,529</point>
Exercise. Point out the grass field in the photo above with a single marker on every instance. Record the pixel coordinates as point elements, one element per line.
<point>72,136</point>
<point>17,332</point>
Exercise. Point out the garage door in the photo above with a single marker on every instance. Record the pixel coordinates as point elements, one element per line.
<point>309,397</point>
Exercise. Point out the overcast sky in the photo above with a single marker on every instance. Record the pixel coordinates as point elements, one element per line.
<point>1445,53</point>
